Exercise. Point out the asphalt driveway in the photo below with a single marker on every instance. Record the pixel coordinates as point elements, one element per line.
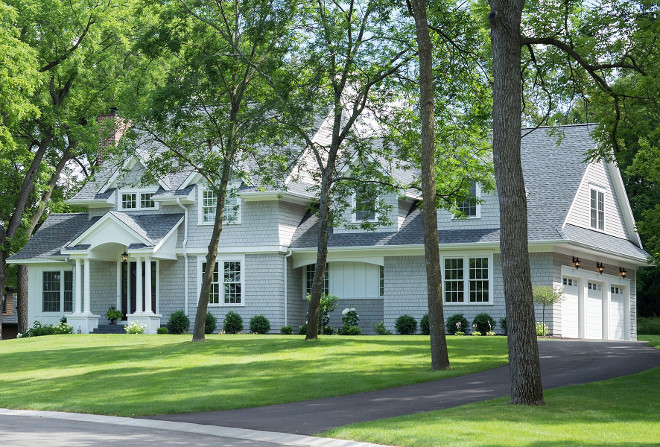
<point>563,362</point>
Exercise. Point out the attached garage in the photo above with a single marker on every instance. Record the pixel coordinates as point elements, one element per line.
<point>595,306</point>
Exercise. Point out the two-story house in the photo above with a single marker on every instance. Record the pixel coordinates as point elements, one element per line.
<point>142,250</point>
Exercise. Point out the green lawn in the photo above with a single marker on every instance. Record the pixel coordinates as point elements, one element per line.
<point>621,412</point>
<point>131,375</point>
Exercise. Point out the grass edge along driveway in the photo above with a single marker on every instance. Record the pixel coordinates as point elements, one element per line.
<point>617,412</point>
<point>139,375</point>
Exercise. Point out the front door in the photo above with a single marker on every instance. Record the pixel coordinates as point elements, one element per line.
<point>128,282</point>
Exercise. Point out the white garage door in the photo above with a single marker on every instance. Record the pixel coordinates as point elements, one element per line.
<point>616,323</point>
<point>569,308</point>
<point>594,310</point>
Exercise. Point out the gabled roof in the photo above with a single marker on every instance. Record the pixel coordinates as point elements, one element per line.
<point>53,235</point>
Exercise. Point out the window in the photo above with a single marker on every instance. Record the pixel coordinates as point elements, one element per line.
<point>209,201</point>
<point>615,290</point>
<point>309,278</point>
<point>231,291</point>
<point>467,208</point>
<point>363,208</point>
<point>597,210</point>
<point>594,286</point>
<point>382,280</point>
<point>569,282</point>
<point>129,200</point>
<point>146,200</point>
<point>57,291</point>
<point>471,274</point>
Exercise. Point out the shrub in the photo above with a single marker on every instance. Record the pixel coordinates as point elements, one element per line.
<point>424,325</point>
<point>503,325</point>
<point>541,328</point>
<point>233,323</point>
<point>179,323</point>
<point>405,325</point>
<point>380,329</point>
<point>476,334</point>
<point>135,328</point>
<point>490,333</point>
<point>648,326</point>
<point>38,330</point>
<point>302,329</point>
<point>162,330</point>
<point>457,323</point>
<point>286,330</point>
<point>484,322</point>
<point>459,333</point>
<point>328,304</point>
<point>259,324</point>
<point>328,330</point>
<point>210,323</point>
<point>113,314</point>
<point>350,330</point>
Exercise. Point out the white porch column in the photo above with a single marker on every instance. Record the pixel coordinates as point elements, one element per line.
<point>87,287</point>
<point>147,286</point>
<point>77,298</point>
<point>138,286</point>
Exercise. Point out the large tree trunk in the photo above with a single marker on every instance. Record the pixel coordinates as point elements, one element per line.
<point>439,355</point>
<point>22,298</point>
<point>525,371</point>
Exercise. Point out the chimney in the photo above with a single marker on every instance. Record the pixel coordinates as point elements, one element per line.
<point>111,129</point>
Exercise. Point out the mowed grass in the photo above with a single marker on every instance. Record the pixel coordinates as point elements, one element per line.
<point>136,375</point>
<point>622,412</point>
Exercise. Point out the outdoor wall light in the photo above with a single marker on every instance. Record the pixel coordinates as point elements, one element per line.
<point>622,272</point>
<point>599,267</point>
<point>124,256</point>
<point>576,262</point>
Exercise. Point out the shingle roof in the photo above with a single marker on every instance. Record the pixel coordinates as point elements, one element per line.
<point>52,236</point>
<point>604,242</point>
<point>152,227</point>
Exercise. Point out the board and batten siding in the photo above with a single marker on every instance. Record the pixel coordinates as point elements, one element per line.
<point>597,175</point>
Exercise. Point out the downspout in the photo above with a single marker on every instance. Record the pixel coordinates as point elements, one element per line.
<point>286,289</point>
<point>185,253</point>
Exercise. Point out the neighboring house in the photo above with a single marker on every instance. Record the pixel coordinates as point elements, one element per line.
<point>9,314</point>
<point>150,242</point>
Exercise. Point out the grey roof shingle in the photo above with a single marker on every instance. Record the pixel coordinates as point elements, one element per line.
<point>52,236</point>
<point>152,227</point>
<point>604,242</point>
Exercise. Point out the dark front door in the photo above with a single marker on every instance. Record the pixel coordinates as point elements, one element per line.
<point>128,284</point>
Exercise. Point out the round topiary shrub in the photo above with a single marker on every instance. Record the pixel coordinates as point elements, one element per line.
<point>162,330</point>
<point>424,325</point>
<point>179,323</point>
<point>484,322</point>
<point>452,327</point>
<point>259,324</point>
<point>286,330</point>
<point>405,325</point>
<point>302,329</point>
<point>210,324</point>
<point>233,323</point>
<point>349,330</point>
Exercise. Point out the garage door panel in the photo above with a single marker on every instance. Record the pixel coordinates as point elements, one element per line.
<point>616,320</point>
<point>594,311</point>
<point>570,309</point>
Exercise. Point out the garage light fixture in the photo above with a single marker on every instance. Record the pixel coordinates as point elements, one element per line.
<point>599,267</point>
<point>576,262</point>
<point>622,272</point>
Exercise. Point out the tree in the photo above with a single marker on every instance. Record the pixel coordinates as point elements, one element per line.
<point>79,51</point>
<point>207,113</point>
<point>547,296</point>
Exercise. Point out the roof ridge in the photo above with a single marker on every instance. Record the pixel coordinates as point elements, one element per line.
<point>559,126</point>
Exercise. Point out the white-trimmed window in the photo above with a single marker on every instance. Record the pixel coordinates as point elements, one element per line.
<point>226,285</point>
<point>309,279</point>
<point>57,291</point>
<point>467,208</point>
<point>597,209</point>
<point>467,279</point>
<point>208,201</point>
<point>381,279</point>
<point>137,200</point>
<point>362,209</point>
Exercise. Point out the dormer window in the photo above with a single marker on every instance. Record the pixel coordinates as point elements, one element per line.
<point>208,204</point>
<point>469,208</point>
<point>364,211</point>
<point>597,209</point>
<point>137,200</point>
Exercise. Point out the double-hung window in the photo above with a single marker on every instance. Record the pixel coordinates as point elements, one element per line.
<point>209,202</point>
<point>57,291</point>
<point>597,209</point>
<point>467,279</point>
<point>309,279</point>
<point>470,208</point>
<point>364,210</point>
<point>226,284</point>
<point>137,201</point>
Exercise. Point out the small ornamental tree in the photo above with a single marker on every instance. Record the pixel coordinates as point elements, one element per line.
<point>546,296</point>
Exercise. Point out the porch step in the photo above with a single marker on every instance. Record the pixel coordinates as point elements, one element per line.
<point>110,329</point>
